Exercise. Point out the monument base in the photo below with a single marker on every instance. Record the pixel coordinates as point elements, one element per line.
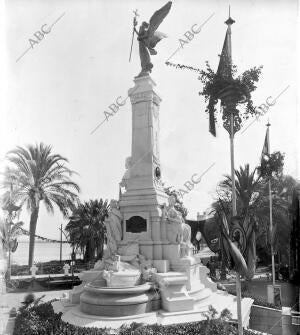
<point>86,277</point>
<point>186,287</point>
<point>219,300</point>
<point>119,301</point>
<point>162,266</point>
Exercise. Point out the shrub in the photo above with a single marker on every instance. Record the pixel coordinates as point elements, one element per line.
<point>37,319</point>
<point>44,311</point>
<point>27,323</point>
<point>40,319</point>
<point>29,299</point>
<point>207,327</point>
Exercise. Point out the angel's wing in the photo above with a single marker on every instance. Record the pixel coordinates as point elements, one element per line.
<point>158,17</point>
<point>155,38</point>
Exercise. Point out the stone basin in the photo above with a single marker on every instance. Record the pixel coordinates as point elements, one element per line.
<point>89,275</point>
<point>118,290</point>
<point>123,279</point>
<point>119,301</point>
<point>126,275</point>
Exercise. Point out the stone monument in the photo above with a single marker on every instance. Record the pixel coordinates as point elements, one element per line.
<point>141,203</point>
<point>148,265</point>
<point>145,233</point>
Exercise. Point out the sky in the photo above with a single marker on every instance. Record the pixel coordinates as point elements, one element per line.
<point>58,90</point>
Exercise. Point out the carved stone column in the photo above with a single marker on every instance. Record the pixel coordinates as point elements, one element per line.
<point>141,203</point>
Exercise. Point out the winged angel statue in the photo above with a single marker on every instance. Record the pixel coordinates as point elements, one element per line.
<point>148,37</point>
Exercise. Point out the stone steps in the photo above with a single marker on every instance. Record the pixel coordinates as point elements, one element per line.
<point>176,297</point>
<point>201,295</point>
<point>177,303</point>
<point>176,280</point>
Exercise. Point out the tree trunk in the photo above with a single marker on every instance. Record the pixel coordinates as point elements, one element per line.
<point>223,263</point>
<point>100,249</point>
<point>87,254</point>
<point>33,221</point>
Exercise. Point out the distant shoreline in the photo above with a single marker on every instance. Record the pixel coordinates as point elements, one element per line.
<point>44,251</point>
<point>36,241</point>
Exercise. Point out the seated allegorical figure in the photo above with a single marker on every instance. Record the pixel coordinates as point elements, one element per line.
<point>172,213</point>
<point>126,176</point>
<point>173,219</point>
<point>185,244</point>
<point>114,235</point>
<point>114,220</point>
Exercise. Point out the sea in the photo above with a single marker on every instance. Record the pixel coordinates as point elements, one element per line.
<point>43,252</point>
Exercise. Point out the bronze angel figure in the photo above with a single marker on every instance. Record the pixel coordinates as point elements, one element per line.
<point>148,37</point>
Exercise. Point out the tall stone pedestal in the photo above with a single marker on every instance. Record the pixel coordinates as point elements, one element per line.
<point>140,203</point>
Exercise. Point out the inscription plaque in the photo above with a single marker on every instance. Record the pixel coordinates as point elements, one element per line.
<point>136,224</point>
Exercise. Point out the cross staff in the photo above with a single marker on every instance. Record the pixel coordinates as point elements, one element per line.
<point>134,25</point>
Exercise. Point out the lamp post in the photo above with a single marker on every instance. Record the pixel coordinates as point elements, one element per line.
<point>60,245</point>
<point>271,214</point>
<point>198,238</point>
<point>198,234</point>
<point>230,96</point>
<point>234,212</point>
<point>73,254</point>
<point>73,261</point>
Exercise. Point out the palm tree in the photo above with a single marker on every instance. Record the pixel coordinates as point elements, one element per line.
<point>282,190</point>
<point>9,233</point>
<point>86,228</point>
<point>247,185</point>
<point>40,177</point>
<point>253,202</point>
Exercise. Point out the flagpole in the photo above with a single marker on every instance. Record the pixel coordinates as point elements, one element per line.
<point>234,211</point>
<point>271,231</point>
<point>271,216</point>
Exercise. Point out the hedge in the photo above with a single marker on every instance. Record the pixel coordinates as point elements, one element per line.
<point>207,327</point>
<point>37,320</point>
<point>40,319</point>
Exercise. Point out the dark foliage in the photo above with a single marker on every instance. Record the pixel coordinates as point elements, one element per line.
<point>231,91</point>
<point>86,228</point>
<point>271,165</point>
<point>253,200</point>
<point>28,300</point>
<point>37,320</point>
<point>41,320</point>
